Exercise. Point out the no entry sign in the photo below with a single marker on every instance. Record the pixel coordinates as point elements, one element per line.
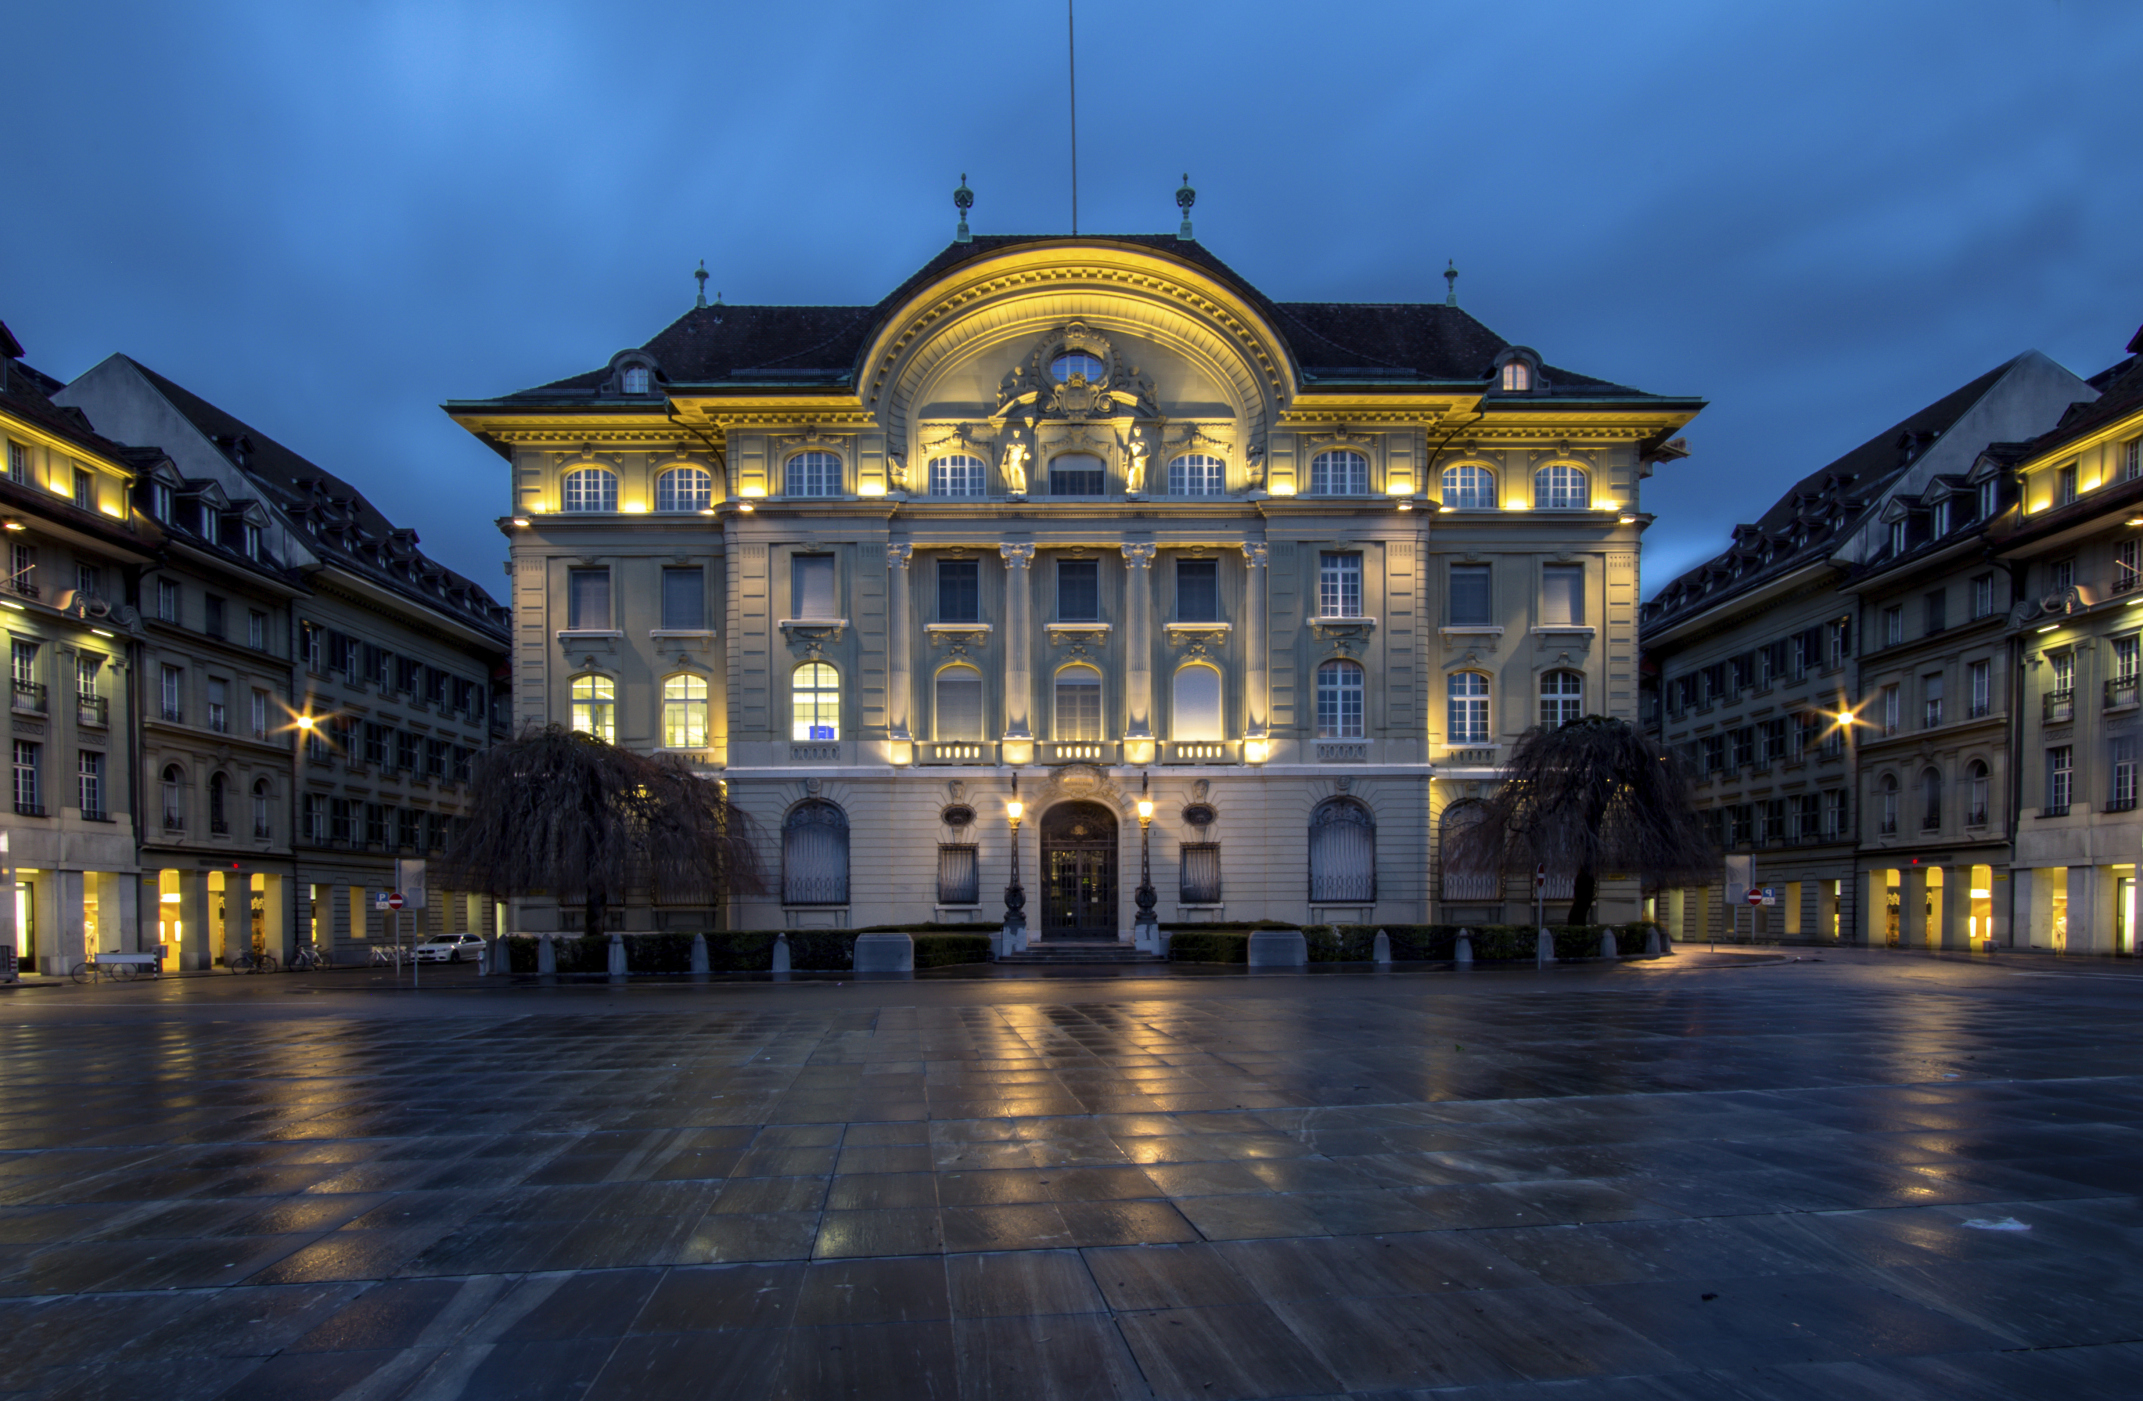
<point>394,901</point>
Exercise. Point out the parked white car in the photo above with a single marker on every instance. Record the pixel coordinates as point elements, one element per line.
<point>449,948</point>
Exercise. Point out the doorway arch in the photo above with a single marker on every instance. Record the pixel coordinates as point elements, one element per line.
<point>1079,872</point>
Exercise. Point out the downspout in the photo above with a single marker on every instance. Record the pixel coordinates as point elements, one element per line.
<point>2019,571</point>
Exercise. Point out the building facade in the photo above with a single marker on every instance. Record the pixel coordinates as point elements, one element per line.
<point>1067,523</point>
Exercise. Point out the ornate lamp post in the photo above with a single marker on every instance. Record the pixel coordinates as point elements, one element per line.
<point>1144,928</point>
<point>1015,896</point>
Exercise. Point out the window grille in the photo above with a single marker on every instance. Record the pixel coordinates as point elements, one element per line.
<point>1467,707</point>
<point>1079,590</point>
<point>814,855</point>
<point>1561,488</point>
<point>1078,708</point>
<point>1339,585</point>
<point>1462,881</point>
<point>1077,474</point>
<point>684,489</point>
<point>1195,474</point>
<point>1469,487</point>
<point>1339,701</point>
<point>591,489</point>
<point>1343,853</point>
<point>1339,474</point>
<point>959,591</point>
<point>1199,881</point>
<point>1562,698</point>
<point>2060,779</point>
<point>684,712</point>
<point>957,476</point>
<point>814,474</point>
<point>595,711</point>
<point>959,875</point>
<point>815,702</point>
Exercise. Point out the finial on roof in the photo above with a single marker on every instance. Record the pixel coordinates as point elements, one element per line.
<point>702,276</point>
<point>963,199</point>
<point>1185,198</point>
<point>1451,283</point>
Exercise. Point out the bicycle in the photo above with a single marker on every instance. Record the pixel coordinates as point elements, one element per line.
<point>252,963</point>
<point>307,960</point>
<point>117,968</point>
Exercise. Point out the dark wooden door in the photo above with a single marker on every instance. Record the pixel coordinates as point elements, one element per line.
<point>1079,872</point>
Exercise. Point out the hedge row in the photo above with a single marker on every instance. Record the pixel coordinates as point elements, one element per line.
<point>1356,943</point>
<point>744,951</point>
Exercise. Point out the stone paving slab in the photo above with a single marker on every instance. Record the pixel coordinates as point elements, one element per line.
<point>1703,1177</point>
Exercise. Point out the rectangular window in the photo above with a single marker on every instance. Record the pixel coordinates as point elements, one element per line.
<point>1741,671</point>
<point>1979,680</point>
<point>212,615</point>
<point>407,673</point>
<point>167,600</point>
<point>260,715</point>
<point>1931,701</point>
<point>219,695</point>
<point>1807,818</point>
<point>684,599</point>
<point>1197,590</point>
<point>1339,586</point>
<point>2064,575</point>
<point>959,879</point>
<point>309,645</point>
<point>1078,704</point>
<point>1893,710</point>
<point>2064,674</point>
<point>435,758</point>
<point>1835,813</point>
<point>1472,600</point>
<point>342,655</point>
<point>959,591</point>
<point>1982,595</point>
<point>1079,590</point>
<point>2125,657</point>
<point>2132,459</point>
<point>587,600</point>
<point>1774,741</point>
<point>1938,610</point>
<point>89,783</point>
<point>1199,883</point>
<point>1562,595</point>
<point>1774,820</point>
<point>1744,747</point>
<point>405,751</point>
<point>1942,518</point>
<point>256,630</point>
<point>22,570</point>
<point>1077,474</point>
<point>2060,775</point>
<point>1839,642</point>
<point>316,750</point>
<point>463,755</point>
<point>88,580</point>
<point>376,742</point>
<point>1989,498</point>
<point>2065,484</point>
<point>1893,624</point>
<point>2127,562</point>
<point>1714,753</point>
<point>1744,820</point>
<point>435,687</point>
<point>2121,792</point>
<point>18,462</point>
<point>376,824</point>
<point>408,829</point>
<point>85,489</point>
<point>29,801</point>
<point>174,684</point>
<point>314,812</point>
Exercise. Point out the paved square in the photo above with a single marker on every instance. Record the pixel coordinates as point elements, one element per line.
<point>1867,1176</point>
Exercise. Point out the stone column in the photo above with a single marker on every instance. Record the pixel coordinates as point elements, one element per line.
<point>1874,907</point>
<point>192,914</point>
<point>1827,909</point>
<point>1138,640</point>
<point>2001,889</point>
<point>2090,909</point>
<point>1256,646</point>
<point>1955,929</point>
<point>66,943</point>
<point>899,663</point>
<point>1912,907</point>
<point>2035,903</point>
<point>275,920</point>
<point>1019,628</point>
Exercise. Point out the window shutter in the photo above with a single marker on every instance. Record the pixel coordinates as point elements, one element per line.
<point>959,708</point>
<point>813,579</point>
<point>1197,707</point>
<point>958,879</point>
<point>1562,595</point>
<point>684,599</point>
<point>587,603</point>
<point>1201,873</point>
<point>1471,603</point>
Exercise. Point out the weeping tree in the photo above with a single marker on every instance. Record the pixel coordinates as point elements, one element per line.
<point>1589,796</point>
<point>560,811</point>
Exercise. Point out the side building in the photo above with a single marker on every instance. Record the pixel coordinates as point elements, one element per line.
<point>944,586</point>
<point>321,685</point>
<point>1848,638</point>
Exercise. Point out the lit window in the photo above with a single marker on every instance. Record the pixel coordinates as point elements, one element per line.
<point>1467,710</point>
<point>637,380</point>
<point>1196,712</point>
<point>959,703</point>
<point>813,474</point>
<point>684,489</point>
<point>1195,474</point>
<point>956,476</point>
<point>595,708</point>
<point>1339,474</point>
<point>1517,377</point>
<point>2065,484</point>
<point>1339,586</point>
<point>591,489</point>
<point>1078,363</point>
<point>1078,703</point>
<point>684,712</point>
<point>815,702</point>
<point>1469,487</point>
<point>1562,698</point>
<point>1561,487</point>
<point>1339,701</point>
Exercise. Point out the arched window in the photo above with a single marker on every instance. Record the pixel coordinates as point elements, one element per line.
<point>1562,698</point>
<point>814,855</point>
<point>1078,703</point>
<point>684,712</point>
<point>1082,363</point>
<point>218,817</point>
<point>591,489</point>
<point>814,474</point>
<point>815,702</point>
<point>1517,377</point>
<point>1343,854</point>
<point>1196,474</point>
<point>1465,879</point>
<point>684,489</point>
<point>958,475</point>
<point>174,799</point>
<point>1339,701</point>
<point>1930,800</point>
<point>1339,474</point>
<point>1469,486</point>
<point>595,707</point>
<point>1196,711</point>
<point>1467,697</point>
<point>1975,814</point>
<point>1889,809</point>
<point>263,810</point>
<point>1561,487</point>
<point>636,380</point>
<point>1077,474</point>
<point>959,703</point>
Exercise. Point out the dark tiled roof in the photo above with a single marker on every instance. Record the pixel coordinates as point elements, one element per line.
<point>27,393</point>
<point>1332,340</point>
<point>336,517</point>
<point>1825,504</point>
<point>2120,389</point>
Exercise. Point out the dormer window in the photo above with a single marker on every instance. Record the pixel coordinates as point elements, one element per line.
<point>160,501</point>
<point>1987,498</point>
<point>2065,484</point>
<point>251,534</point>
<point>1084,364</point>
<point>636,380</point>
<point>1942,518</point>
<point>1897,537</point>
<point>1517,378</point>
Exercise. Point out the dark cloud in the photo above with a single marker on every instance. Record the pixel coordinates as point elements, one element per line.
<point>330,218</point>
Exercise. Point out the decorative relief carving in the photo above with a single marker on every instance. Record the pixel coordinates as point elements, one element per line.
<point>1255,554</point>
<point>1137,554</point>
<point>1018,556</point>
<point>1084,782</point>
<point>899,556</point>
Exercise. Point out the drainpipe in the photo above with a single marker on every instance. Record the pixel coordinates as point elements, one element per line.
<point>2019,571</point>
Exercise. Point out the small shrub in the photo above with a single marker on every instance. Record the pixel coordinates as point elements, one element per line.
<point>1195,945</point>
<point>944,950</point>
<point>825,949</point>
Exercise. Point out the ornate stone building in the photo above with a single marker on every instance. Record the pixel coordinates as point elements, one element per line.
<point>1067,522</point>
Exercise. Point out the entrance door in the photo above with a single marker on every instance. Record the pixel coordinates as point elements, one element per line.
<point>1079,872</point>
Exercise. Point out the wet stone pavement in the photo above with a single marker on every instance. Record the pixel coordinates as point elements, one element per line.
<point>1870,1176</point>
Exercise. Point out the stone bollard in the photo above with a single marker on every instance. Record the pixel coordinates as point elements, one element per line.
<point>1382,953</point>
<point>1607,942</point>
<point>1160,941</point>
<point>1651,941</point>
<point>883,953</point>
<point>1544,948</point>
<point>1462,954</point>
<point>781,953</point>
<point>493,959</point>
<point>701,963</point>
<point>546,956</point>
<point>1279,948</point>
<point>617,956</point>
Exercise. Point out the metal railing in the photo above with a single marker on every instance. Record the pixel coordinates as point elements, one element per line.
<point>1353,751</point>
<point>92,710</point>
<point>2059,706</point>
<point>1202,751</point>
<point>957,751</point>
<point>820,753</point>
<point>2120,691</point>
<point>30,696</point>
<point>1079,751</point>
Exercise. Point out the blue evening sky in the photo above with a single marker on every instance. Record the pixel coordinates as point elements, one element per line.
<point>330,217</point>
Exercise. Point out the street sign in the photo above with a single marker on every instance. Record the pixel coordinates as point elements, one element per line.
<point>395,901</point>
<point>1770,894</point>
<point>1754,897</point>
<point>1540,875</point>
<point>409,880</point>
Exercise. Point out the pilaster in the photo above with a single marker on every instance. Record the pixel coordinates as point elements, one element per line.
<point>1019,634</point>
<point>1256,708</point>
<point>1138,639</point>
<point>900,661</point>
